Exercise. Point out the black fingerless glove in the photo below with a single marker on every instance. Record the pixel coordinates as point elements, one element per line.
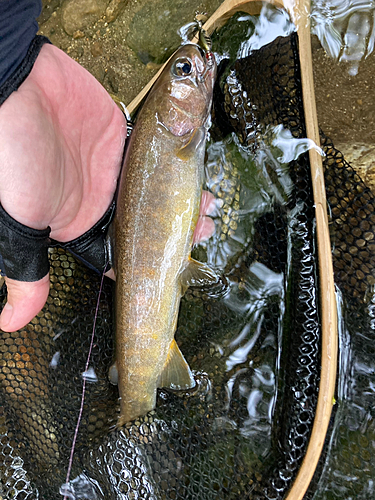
<point>24,250</point>
<point>92,247</point>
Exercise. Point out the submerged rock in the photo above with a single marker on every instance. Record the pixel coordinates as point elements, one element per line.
<point>153,30</point>
<point>78,14</point>
<point>114,9</point>
<point>49,7</point>
<point>361,157</point>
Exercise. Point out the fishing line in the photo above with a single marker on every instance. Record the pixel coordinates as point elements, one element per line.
<point>83,389</point>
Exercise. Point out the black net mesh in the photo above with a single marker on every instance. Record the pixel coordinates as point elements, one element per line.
<point>263,91</point>
<point>253,341</point>
<point>349,466</point>
<point>41,367</point>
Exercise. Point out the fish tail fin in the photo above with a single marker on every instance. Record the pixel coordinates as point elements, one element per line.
<point>176,372</point>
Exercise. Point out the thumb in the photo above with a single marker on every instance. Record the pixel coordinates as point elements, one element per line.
<point>25,300</point>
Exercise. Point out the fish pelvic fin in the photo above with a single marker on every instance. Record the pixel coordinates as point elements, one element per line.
<point>176,372</point>
<point>197,137</point>
<point>197,274</point>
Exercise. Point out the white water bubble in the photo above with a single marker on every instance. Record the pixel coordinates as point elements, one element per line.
<point>291,147</point>
<point>55,360</point>
<point>83,488</point>
<point>89,375</point>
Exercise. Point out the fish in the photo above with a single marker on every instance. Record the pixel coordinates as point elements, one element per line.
<point>152,233</point>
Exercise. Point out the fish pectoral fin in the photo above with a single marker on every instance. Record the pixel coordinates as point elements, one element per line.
<point>198,274</point>
<point>188,150</point>
<point>176,372</point>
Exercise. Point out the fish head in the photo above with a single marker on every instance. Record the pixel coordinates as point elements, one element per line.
<point>184,90</point>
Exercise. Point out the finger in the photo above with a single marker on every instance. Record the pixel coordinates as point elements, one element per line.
<point>204,229</point>
<point>25,300</point>
<point>208,203</point>
<point>111,274</point>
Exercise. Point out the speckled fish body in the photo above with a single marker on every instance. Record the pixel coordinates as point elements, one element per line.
<point>158,208</point>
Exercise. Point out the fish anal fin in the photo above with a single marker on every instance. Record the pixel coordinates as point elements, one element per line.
<point>188,150</point>
<point>176,373</point>
<point>197,274</point>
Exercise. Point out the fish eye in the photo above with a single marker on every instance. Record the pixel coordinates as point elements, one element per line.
<point>182,67</point>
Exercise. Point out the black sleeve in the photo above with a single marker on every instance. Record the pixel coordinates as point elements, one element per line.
<point>18,28</point>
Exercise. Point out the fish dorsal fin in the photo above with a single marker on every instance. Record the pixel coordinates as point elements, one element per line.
<point>197,137</point>
<point>198,274</point>
<point>176,373</point>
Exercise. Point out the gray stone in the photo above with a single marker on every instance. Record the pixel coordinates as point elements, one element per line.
<point>112,80</point>
<point>96,49</point>
<point>79,14</point>
<point>49,7</point>
<point>114,9</point>
<point>153,29</point>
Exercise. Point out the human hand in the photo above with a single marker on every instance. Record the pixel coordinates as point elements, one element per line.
<point>62,141</point>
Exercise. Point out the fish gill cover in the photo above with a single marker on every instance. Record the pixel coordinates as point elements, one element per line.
<point>253,342</point>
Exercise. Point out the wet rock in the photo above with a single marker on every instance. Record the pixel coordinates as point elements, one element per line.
<point>76,52</point>
<point>78,14</point>
<point>49,6</point>
<point>114,9</point>
<point>153,30</point>
<point>78,34</point>
<point>112,80</point>
<point>79,51</point>
<point>64,44</point>
<point>96,49</point>
<point>98,71</point>
<point>361,156</point>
